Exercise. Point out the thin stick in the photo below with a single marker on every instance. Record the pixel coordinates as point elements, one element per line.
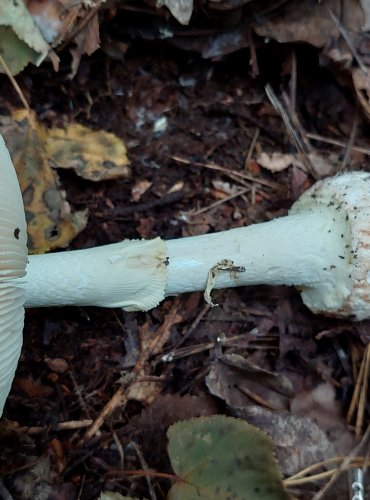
<point>251,147</point>
<point>336,142</point>
<point>343,466</point>
<point>324,463</point>
<point>145,468</point>
<point>119,398</point>
<point>351,141</point>
<point>213,166</point>
<point>119,446</point>
<point>62,426</point>
<point>297,138</point>
<point>348,41</point>
<point>221,202</point>
<point>363,394</point>
<point>254,397</point>
<point>355,397</point>
<point>293,83</point>
<point>15,84</point>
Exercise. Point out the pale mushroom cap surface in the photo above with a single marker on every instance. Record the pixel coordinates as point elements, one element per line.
<point>349,195</point>
<point>13,260</point>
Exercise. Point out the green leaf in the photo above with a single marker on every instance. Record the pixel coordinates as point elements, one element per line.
<point>223,458</point>
<point>110,495</point>
<point>21,41</point>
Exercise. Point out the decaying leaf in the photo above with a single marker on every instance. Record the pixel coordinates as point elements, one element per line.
<point>276,162</point>
<point>237,381</point>
<point>304,21</point>
<point>21,41</point>
<point>50,222</point>
<point>180,9</point>
<point>86,41</point>
<point>365,4</point>
<point>94,155</point>
<point>299,441</point>
<point>31,388</point>
<point>145,391</point>
<point>222,457</point>
<point>361,82</point>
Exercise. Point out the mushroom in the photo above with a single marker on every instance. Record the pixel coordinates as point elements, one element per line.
<point>13,260</point>
<point>322,247</point>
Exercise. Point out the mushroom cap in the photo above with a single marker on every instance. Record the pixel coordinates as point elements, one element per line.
<point>348,195</point>
<point>13,260</point>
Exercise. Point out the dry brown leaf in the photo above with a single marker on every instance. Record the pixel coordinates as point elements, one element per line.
<point>299,441</point>
<point>275,162</point>
<point>180,9</point>
<point>145,391</point>
<point>58,365</point>
<point>87,41</point>
<point>309,22</point>
<point>320,405</point>
<point>236,381</point>
<point>31,388</point>
<point>361,82</point>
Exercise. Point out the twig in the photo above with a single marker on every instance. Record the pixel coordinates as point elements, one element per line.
<point>142,207</point>
<point>297,137</point>
<point>221,202</point>
<point>118,443</point>
<point>171,355</point>
<point>236,173</point>
<point>363,394</point>
<point>251,147</point>
<point>348,41</point>
<point>293,83</point>
<point>359,393</point>
<point>336,142</point>
<point>236,340</point>
<point>15,84</point>
<point>78,394</point>
<point>304,477</point>
<point>253,55</point>
<point>145,468</point>
<point>257,399</point>
<point>62,426</point>
<point>351,141</point>
<point>343,466</point>
<point>119,398</point>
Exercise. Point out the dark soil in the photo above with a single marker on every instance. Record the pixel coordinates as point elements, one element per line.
<point>213,110</point>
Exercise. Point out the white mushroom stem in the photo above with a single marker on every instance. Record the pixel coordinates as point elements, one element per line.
<point>306,250</point>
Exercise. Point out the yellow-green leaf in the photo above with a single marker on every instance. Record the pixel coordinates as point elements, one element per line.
<point>94,155</point>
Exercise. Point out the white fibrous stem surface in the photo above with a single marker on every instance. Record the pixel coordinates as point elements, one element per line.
<point>308,250</point>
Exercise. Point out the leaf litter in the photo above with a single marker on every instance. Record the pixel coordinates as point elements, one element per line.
<point>115,380</point>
